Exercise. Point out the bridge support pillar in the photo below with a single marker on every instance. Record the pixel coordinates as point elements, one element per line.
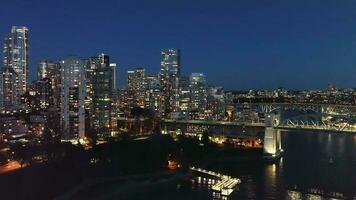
<point>272,146</point>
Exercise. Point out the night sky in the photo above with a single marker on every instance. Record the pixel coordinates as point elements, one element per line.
<point>237,44</point>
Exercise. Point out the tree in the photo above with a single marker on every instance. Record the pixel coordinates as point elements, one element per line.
<point>205,138</point>
<point>157,130</point>
<point>93,137</point>
<point>19,153</point>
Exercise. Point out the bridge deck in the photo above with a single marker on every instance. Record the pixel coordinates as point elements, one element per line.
<point>214,123</point>
<point>251,124</point>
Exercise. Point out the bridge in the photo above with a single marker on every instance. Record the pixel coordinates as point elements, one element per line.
<point>287,124</point>
<point>272,129</point>
<point>324,108</point>
<point>214,123</point>
<point>273,124</point>
<point>299,105</point>
<point>272,138</point>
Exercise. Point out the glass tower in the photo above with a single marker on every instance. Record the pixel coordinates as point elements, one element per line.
<point>136,82</point>
<point>198,91</point>
<point>169,80</point>
<point>16,55</point>
<point>73,81</point>
<point>101,89</point>
<point>8,87</point>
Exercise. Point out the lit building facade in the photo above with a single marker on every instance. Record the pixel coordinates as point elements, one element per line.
<point>43,93</point>
<point>136,81</point>
<point>169,80</point>
<point>198,91</point>
<point>126,100</point>
<point>72,98</point>
<point>1,90</point>
<point>184,94</point>
<point>215,105</point>
<point>101,91</point>
<point>51,71</point>
<point>8,88</point>
<point>45,68</point>
<point>16,56</point>
<point>153,93</point>
<point>114,97</point>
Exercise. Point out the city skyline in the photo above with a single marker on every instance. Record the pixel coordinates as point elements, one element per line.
<point>177,99</point>
<point>317,48</point>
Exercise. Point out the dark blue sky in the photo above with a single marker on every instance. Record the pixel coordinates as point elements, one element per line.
<point>237,44</point>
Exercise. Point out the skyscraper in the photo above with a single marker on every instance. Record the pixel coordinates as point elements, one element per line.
<point>113,67</point>
<point>184,94</point>
<point>198,90</point>
<point>131,76</point>
<point>126,100</point>
<point>101,88</point>
<point>136,81</point>
<point>51,71</point>
<point>153,92</point>
<point>16,56</point>
<point>43,93</point>
<point>73,92</point>
<point>8,87</point>
<point>44,69</point>
<point>169,80</point>
<point>1,90</point>
<point>114,97</point>
<point>216,103</point>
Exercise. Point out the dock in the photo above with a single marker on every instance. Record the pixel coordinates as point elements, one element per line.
<point>225,184</point>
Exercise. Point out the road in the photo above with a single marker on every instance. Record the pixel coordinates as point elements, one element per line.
<point>10,166</point>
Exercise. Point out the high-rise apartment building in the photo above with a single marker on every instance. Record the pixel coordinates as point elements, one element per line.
<point>126,100</point>
<point>1,90</point>
<point>114,97</point>
<point>73,93</point>
<point>153,92</point>
<point>101,90</point>
<point>16,56</point>
<point>51,71</point>
<point>8,88</point>
<point>45,68</point>
<point>184,94</point>
<point>113,67</point>
<point>169,80</point>
<point>136,81</point>
<point>42,90</point>
<point>198,90</point>
<point>215,105</point>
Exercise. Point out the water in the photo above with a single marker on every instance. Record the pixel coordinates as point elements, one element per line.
<point>303,171</point>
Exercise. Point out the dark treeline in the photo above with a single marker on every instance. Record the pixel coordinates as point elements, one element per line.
<point>65,165</point>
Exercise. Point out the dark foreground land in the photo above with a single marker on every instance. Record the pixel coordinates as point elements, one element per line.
<point>112,170</point>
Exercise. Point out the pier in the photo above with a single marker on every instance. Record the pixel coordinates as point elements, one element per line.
<point>225,184</point>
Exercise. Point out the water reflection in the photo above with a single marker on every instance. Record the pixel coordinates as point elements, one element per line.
<point>272,174</point>
<point>313,194</point>
<point>341,145</point>
<point>303,173</point>
<point>206,183</point>
<point>270,179</point>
